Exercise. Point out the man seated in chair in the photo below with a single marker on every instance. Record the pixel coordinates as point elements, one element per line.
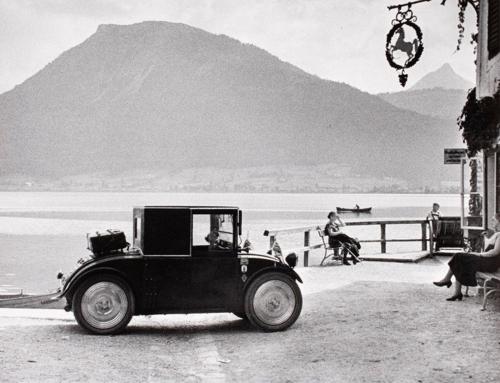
<point>336,238</point>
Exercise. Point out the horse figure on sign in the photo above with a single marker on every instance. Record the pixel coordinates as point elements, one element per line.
<point>404,46</point>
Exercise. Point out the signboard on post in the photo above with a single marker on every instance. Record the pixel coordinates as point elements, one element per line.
<point>454,156</point>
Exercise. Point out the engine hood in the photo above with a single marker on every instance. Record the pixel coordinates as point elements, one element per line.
<point>272,258</point>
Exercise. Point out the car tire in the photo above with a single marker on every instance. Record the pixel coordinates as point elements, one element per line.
<point>103,304</point>
<point>273,302</point>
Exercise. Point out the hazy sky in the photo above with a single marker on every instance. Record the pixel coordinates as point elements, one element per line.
<point>341,40</point>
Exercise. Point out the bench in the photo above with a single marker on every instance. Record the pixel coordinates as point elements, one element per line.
<point>488,278</point>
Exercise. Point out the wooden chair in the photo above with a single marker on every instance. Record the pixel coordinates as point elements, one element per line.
<point>334,253</point>
<point>490,284</point>
<point>448,233</point>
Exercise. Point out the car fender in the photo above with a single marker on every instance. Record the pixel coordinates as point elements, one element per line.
<point>294,274</point>
<point>275,268</point>
<point>112,265</point>
<point>274,264</point>
<point>82,274</point>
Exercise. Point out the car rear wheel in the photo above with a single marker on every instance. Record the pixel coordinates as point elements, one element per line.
<point>103,304</point>
<point>273,302</point>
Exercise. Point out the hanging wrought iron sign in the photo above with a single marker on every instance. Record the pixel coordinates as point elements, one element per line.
<point>404,41</point>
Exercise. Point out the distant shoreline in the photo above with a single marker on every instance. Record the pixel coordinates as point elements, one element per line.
<point>32,190</point>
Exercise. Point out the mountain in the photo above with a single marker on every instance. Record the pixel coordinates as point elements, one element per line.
<point>441,93</point>
<point>437,102</point>
<point>444,77</point>
<point>166,96</point>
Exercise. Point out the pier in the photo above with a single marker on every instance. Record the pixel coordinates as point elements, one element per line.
<point>425,240</point>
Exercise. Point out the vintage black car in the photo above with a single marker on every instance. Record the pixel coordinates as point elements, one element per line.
<point>182,260</point>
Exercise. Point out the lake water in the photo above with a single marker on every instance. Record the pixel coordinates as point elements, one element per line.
<point>42,232</point>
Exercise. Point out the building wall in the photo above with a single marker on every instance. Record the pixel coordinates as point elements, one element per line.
<point>487,83</point>
<point>488,70</point>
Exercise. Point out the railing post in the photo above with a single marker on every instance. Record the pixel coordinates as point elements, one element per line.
<point>424,236</point>
<point>431,238</point>
<point>382,238</point>
<point>306,252</point>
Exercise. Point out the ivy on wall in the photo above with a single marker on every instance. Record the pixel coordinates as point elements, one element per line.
<point>462,6</point>
<point>480,122</point>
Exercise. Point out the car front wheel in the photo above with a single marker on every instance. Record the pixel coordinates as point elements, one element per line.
<point>103,304</point>
<point>273,302</point>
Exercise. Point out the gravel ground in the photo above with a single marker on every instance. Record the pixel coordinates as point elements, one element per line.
<point>369,323</point>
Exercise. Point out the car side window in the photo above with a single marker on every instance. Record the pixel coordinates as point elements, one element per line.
<point>212,233</point>
<point>137,231</point>
<point>201,226</point>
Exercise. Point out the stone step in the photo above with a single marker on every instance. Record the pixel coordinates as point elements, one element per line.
<point>414,256</point>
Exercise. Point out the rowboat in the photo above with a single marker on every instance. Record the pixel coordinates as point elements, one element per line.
<point>354,210</point>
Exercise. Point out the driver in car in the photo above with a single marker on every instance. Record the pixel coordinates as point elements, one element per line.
<point>215,243</point>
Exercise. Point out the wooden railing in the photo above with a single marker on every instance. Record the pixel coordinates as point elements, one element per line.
<point>272,234</point>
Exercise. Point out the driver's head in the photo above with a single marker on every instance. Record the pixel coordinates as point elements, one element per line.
<point>212,236</point>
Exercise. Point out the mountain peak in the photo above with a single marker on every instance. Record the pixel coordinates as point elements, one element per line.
<point>148,24</point>
<point>445,68</point>
<point>444,77</point>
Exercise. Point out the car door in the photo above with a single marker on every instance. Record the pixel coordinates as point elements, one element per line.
<point>214,262</point>
<point>213,282</point>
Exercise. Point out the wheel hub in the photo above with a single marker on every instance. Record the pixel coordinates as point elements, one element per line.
<point>103,306</point>
<point>273,304</point>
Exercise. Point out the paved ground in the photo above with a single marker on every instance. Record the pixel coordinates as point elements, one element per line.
<point>375,322</point>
